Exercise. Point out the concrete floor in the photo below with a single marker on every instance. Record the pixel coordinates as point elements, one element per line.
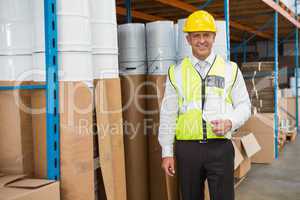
<point>277,181</point>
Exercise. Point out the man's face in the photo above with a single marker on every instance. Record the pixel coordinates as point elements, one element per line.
<point>201,43</point>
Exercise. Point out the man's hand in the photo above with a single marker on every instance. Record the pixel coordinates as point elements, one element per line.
<point>221,127</point>
<point>168,165</point>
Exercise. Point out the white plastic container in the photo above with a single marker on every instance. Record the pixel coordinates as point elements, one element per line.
<point>74,8</point>
<point>159,67</point>
<point>15,27</point>
<point>134,68</point>
<point>132,42</point>
<point>176,38</point>
<point>15,10</point>
<point>39,35</point>
<point>39,67</point>
<point>184,49</point>
<point>160,40</point>
<point>73,24</point>
<point>220,39</point>
<point>104,38</point>
<point>74,66</point>
<point>16,68</point>
<point>105,66</point>
<point>16,38</point>
<point>103,11</point>
<point>104,27</point>
<point>74,33</point>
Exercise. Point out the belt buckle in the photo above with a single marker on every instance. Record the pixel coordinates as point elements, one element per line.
<point>202,141</point>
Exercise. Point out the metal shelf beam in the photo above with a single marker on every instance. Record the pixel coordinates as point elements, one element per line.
<point>284,13</point>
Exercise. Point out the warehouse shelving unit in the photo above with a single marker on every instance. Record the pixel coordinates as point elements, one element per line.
<point>52,91</point>
<point>251,17</point>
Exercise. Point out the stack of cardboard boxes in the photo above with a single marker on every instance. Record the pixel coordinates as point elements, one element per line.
<point>259,82</point>
<point>246,146</point>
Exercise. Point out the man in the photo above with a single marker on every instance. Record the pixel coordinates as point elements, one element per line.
<point>205,101</point>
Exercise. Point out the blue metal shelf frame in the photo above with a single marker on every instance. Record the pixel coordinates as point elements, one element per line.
<point>296,66</point>
<point>52,91</point>
<point>276,81</point>
<point>205,4</point>
<point>128,10</point>
<point>23,87</point>
<point>227,17</point>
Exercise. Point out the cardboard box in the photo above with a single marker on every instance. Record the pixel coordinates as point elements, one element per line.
<point>76,139</point>
<point>287,109</point>
<point>110,135</point>
<point>135,137</point>
<point>262,127</point>
<point>17,187</point>
<point>16,146</point>
<point>247,144</point>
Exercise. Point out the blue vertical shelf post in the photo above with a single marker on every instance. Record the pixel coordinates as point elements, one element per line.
<point>297,67</point>
<point>128,10</point>
<point>276,81</point>
<point>52,91</point>
<point>226,14</point>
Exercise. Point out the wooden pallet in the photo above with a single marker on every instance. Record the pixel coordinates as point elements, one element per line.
<point>238,181</point>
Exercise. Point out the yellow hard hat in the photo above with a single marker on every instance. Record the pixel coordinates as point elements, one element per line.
<point>200,21</point>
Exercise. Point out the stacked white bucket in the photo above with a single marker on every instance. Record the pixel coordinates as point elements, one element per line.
<point>74,41</point>
<point>161,51</point>
<point>104,39</point>
<point>219,47</point>
<point>15,40</point>
<point>132,48</point>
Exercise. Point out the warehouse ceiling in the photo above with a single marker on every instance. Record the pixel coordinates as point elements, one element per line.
<point>247,18</point>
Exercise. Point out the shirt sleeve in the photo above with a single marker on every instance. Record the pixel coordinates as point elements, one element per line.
<point>241,103</point>
<point>168,116</point>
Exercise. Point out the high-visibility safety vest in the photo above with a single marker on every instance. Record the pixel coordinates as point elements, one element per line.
<point>200,100</point>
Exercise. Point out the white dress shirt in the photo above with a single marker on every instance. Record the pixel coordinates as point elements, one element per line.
<point>169,108</point>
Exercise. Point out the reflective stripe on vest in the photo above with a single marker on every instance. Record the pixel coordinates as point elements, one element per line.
<point>192,93</point>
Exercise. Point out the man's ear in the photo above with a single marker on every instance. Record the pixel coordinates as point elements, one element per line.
<point>215,36</point>
<point>188,38</point>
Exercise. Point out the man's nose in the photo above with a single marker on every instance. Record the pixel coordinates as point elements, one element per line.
<point>201,39</point>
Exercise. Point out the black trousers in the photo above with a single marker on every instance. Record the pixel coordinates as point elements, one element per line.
<point>213,161</point>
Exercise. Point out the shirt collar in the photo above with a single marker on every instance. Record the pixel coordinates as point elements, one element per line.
<point>210,59</point>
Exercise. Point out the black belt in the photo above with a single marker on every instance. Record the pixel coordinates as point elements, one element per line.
<point>205,141</point>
